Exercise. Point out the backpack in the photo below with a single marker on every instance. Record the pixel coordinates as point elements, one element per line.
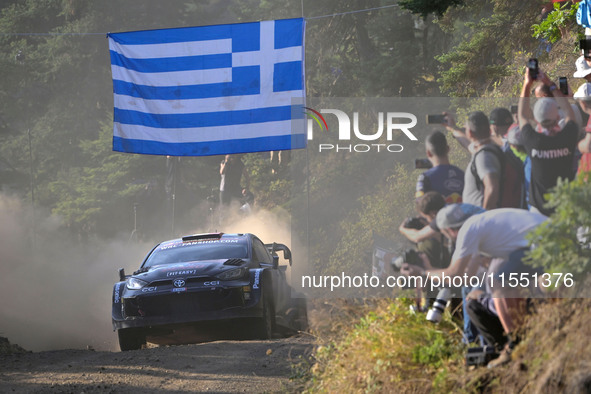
<point>512,180</point>
<point>583,14</point>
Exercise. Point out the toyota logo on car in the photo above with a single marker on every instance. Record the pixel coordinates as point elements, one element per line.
<point>179,283</point>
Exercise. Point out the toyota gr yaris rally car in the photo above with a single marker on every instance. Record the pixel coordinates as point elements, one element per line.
<point>206,277</point>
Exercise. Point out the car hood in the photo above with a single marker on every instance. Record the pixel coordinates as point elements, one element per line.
<point>184,270</point>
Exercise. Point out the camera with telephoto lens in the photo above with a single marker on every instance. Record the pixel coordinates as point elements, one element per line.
<point>478,356</point>
<point>436,312</point>
<point>585,45</point>
<point>423,164</point>
<point>415,223</point>
<point>409,256</point>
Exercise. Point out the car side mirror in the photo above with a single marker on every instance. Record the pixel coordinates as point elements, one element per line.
<point>122,274</point>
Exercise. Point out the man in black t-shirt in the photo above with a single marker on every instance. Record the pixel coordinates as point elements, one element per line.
<point>550,148</point>
<point>232,170</point>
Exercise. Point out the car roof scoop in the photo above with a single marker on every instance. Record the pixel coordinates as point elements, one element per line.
<point>235,262</point>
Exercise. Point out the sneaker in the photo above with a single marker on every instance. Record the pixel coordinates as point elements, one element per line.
<point>503,358</point>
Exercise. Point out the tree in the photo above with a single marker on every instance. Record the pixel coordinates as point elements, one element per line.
<point>490,33</point>
<point>426,7</point>
<point>563,243</point>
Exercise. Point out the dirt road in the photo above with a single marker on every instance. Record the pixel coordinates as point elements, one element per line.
<point>221,366</point>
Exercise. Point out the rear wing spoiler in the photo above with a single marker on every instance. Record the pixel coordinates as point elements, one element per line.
<point>274,247</point>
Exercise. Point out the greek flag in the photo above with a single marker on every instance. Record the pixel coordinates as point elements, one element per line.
<point>209,90</point>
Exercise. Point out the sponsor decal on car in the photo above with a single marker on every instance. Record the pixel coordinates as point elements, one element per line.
<point>185,272</point>
<point>117,296</point>
<point>183,266</point>
<point>149,289</point>
<point>179,289</point>
<point>182,244</point>
<point>257,277</point>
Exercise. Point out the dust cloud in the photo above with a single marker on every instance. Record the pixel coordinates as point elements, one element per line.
<point>269,226</point>
<point>55,290</point>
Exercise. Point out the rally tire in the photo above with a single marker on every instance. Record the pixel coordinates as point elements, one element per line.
<point>130,339</point>
<point>264,327</point>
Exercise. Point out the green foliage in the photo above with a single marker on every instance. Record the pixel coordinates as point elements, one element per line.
<point>556,23</point>
<point>368,54</point>
<point>426,7</point>
<point>89,197</point>
<point>557,247</point>
<point>485,53</point>
<point>380,212</point>
<point>473,63</point>
<point>435,352</point>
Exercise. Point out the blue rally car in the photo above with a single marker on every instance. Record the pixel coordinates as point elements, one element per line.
<point>204,278</point>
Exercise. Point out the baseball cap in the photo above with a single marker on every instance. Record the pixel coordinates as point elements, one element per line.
<point>514,136</point>
<point>454,215</point>
<point>501,117</point>
<point>583,69</point>
<point>546,109</point>
<point>584,91</point>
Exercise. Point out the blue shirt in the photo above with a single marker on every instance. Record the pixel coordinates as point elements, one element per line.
<point>446,179</point>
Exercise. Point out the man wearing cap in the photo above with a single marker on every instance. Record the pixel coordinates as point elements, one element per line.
<point>500,122</point>
<point>583,69</point>
<point>496,234</point>
<point>551,151</point>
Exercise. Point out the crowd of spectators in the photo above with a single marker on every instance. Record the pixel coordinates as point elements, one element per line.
<point>482,215</point>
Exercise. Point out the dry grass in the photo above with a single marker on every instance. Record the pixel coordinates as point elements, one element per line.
<point>389,349</point>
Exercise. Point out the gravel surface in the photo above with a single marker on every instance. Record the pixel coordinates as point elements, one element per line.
<point>220,366</point>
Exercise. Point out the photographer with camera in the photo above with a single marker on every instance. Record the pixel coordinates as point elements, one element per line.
<point>499,233</point>
<point>435,250</point>
<point>431,251</point>
<point>414,229</point>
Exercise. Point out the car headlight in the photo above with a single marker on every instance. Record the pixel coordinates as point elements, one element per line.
<point>135,283</point>
<point>233,274</point>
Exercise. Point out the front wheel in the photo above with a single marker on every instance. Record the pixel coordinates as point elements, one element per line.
<point>130,339</point>
<point>265,326</point>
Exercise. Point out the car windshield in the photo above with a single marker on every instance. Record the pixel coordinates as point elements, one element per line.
<point>186,252</point>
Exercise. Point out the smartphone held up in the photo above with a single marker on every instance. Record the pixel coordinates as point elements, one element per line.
<point>436,119</point>
<point>532,66</point>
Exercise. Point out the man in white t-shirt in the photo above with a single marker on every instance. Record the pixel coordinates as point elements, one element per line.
<point>498,233</point>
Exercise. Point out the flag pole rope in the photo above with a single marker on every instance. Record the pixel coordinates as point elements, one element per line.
<point>102,34</point>
<point>351,12</point>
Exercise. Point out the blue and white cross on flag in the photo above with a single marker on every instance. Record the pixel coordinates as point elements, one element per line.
<point>209,90</point>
